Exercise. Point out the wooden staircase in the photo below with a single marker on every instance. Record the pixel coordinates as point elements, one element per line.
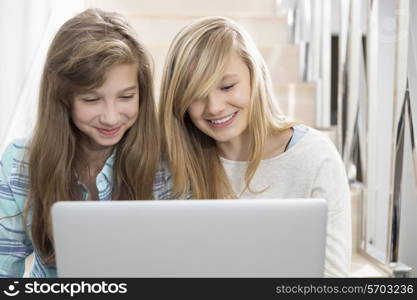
<point>157,22</point>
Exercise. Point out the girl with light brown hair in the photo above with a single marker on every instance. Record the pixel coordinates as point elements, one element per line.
<point>224,136</point>
<point>96,137</point>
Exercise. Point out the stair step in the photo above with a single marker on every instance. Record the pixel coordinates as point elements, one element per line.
<point>363,267</point>
<point>191,6</point>
<point>298,101</point>
<point>161,28</point>
<point>281,59</point>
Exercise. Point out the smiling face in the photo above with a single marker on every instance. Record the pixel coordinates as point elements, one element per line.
<point>223,114</point>
<point>104,114</point>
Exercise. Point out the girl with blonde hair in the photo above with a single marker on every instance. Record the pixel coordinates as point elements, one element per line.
<point>96,137</point>
<point>224,136</point>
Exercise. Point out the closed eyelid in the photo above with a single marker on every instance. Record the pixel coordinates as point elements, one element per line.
<point>89,97</point>
<point>127,96</point>
<point>227,86</point>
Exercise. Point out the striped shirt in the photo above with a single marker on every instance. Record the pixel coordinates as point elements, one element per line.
<point>15,240</point>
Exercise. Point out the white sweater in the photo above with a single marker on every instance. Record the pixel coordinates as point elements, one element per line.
<point>312,168</point>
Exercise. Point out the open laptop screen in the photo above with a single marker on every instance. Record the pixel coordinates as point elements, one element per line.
<point>190,238</point>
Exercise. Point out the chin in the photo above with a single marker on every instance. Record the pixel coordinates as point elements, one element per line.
<point>222,139</point>
<point>107,142</point>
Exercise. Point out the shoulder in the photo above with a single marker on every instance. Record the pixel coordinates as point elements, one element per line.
<point>312,151</point>
<point>14,180</point>
<point>14,154</point>
<point>317,146</point>
<point>330,170</point>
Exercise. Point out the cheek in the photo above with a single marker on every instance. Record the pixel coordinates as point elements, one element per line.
<point>129,113</point>
<point>132,110</point>
<point>195,111</point>
<point>81,114</point>
<point>242,98</point>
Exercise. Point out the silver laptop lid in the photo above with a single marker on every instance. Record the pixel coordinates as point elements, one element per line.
<point>190,238</point>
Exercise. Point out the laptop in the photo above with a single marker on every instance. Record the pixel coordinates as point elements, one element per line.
<point>190,238</point>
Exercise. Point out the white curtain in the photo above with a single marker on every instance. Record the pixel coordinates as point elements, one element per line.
<point>26,30</point>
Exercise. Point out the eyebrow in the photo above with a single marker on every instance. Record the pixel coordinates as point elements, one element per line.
<point>129,88</point>
<point>97,93</point>
<point>229,76</point>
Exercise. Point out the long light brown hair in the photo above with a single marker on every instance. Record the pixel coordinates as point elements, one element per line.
<point>82,51</point>
<point>195,62</point>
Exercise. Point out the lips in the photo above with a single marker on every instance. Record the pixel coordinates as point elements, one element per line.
<point>222,122</point>
<point>109,132</point>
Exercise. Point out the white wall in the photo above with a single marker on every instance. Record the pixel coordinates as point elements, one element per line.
<point>22,24</point>
<point>26,30</point>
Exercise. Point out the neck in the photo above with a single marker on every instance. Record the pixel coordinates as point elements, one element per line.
<point>95,156</point>
<point>237,149</point>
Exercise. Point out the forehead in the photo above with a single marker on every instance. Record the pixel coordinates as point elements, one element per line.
<point>121,74</point>
<point>116,78</point>
<point>234,67</point>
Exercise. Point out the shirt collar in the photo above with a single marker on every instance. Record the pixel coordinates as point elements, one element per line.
<point>107,169</point>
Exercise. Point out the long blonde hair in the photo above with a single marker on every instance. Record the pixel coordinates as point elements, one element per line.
<point>82,51</point>
<point>196,60</point>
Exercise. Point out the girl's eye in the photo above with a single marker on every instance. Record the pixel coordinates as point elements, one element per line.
<point>90,99</point>
<point>128,96</point>
<point>227,87</point>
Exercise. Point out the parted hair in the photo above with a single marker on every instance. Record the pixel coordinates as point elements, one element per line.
<point>195,63</point>
<point>81,53</point>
